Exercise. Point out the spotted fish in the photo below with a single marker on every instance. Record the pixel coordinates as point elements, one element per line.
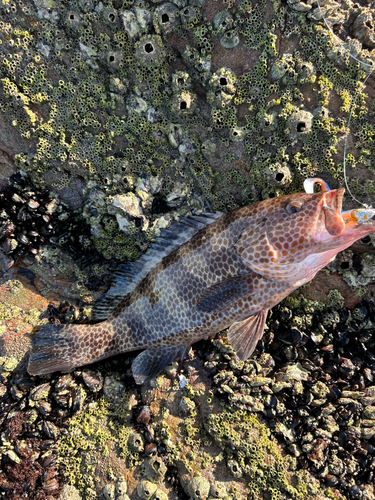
<point>207,273</point>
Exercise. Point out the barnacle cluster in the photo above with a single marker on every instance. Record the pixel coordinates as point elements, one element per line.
<point>110,92</point>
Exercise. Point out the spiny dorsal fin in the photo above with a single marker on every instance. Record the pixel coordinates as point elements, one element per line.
<point>128,275</point>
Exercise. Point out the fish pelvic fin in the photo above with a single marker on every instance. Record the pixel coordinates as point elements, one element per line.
<point>54,348</point>
<point>244,335</point>
<point>151,362</point>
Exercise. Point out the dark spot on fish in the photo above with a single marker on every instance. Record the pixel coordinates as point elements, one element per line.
<point>147,289</point>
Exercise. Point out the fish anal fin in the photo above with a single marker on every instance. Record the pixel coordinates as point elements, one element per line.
<point>245,334</point>
<point>223,294</point>
<point>151,362</point>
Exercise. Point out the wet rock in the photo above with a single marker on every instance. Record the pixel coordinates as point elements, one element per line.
<point>363,28</point>
<point>129,204</point>
<point>113,388</point>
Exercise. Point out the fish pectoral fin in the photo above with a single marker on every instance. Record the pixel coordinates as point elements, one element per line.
<point>151,362</point>
<point>244,335</point>
<point>223,294</point>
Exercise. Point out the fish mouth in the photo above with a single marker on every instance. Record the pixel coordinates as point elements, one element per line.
<point>347,225</point>
<point>331,207</point>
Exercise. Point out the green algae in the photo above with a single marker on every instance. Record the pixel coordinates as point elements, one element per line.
<point>248,446</point>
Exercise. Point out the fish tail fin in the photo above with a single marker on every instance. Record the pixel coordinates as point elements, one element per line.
<point>54,348</point>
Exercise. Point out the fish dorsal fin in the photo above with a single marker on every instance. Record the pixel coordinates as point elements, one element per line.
<point>128,275</point>
<point>244,335</point>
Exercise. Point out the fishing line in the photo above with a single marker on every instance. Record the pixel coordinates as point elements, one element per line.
<point>371,70</point>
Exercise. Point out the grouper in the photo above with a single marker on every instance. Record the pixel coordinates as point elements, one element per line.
<point>206,273</point>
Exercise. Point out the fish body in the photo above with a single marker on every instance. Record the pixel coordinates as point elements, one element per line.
<point>205,274</point>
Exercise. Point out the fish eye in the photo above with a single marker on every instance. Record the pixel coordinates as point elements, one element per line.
<point>292,207</point>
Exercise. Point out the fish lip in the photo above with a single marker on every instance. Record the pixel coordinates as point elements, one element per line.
<point>334,197</point>
<point>331,208</point>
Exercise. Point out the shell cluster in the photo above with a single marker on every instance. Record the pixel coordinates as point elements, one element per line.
<point>39,230</point>
<point>314,385</point>
<point>309,390</point>
<point>27,218</point>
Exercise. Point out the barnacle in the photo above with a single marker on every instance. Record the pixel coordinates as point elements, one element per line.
<point>73,19</point>
<point>223,21</point>
<point>190,15</point>
<point>149,50</point>
<point>146,489</point>
<point>160,495</point>
<point>154,469</point>
<point>230,39</point>
<point>166,18</point>
<point>199,488</point>
<point>237,134</point>
<point>221,87</point>
<point>114,59</point>
<point>109,15</point>
<point>299,124</point>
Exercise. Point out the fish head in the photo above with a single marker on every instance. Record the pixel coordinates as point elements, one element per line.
<point>303,223</point>
<point>296,235</point>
